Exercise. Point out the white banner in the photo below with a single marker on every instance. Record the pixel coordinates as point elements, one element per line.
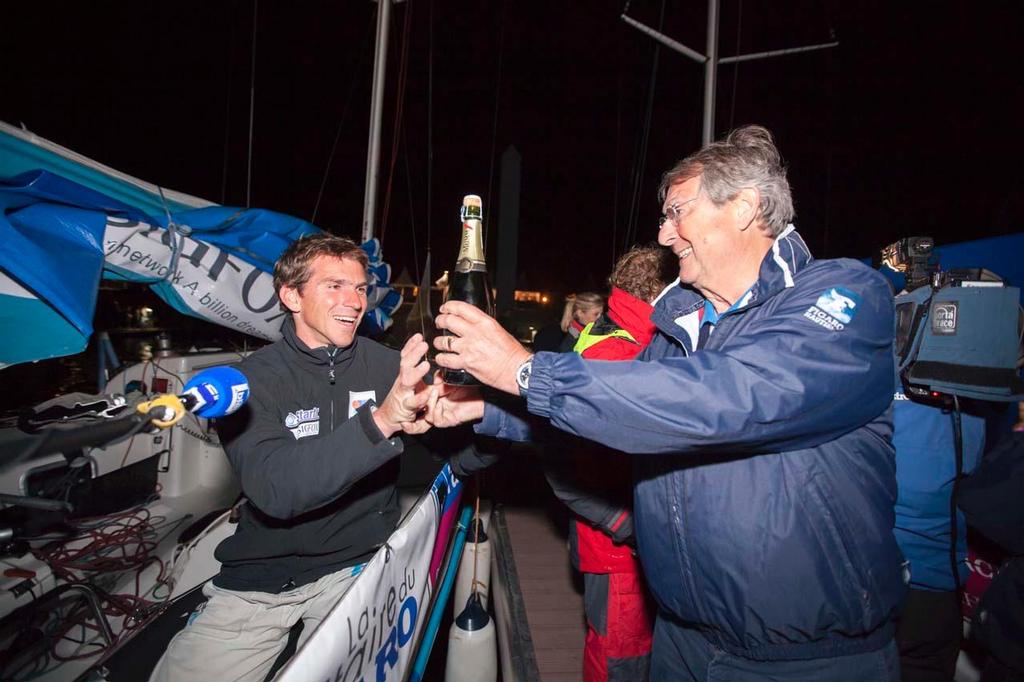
<point>372,633</point>
<point>206,280</point>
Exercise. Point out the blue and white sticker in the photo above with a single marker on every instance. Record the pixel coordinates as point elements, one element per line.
<point>357,399</point>
<point>834,309</point>
<point>239,396</point>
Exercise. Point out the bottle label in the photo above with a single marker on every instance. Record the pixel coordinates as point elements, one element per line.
<point>471,249</point>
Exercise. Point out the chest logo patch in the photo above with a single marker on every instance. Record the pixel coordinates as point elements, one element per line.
<point>303,423</point>
<point>357,399</point>
<point>834,309</point>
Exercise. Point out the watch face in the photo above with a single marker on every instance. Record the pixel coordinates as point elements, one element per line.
<point>524,375</point>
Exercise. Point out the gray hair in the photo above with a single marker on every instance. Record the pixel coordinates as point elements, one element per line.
<point>747,158</point>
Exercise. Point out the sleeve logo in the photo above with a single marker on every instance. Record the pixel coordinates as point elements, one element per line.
<point>834,309</point>
<point>303,423</point>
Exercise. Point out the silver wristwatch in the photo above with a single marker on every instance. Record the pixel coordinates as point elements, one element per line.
<point>523,376</point>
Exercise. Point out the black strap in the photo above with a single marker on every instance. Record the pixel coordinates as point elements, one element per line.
<point>703,335</point>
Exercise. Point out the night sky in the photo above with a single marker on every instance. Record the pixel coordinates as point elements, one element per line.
<point>911,126</point>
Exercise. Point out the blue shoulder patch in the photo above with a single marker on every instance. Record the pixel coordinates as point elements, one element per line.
<point>834,309</point>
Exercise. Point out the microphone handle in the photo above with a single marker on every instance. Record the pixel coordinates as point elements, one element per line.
<point>189,401</point>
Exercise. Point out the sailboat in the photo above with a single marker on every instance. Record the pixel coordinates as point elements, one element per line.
<point>160,501</point>
<point>107,544</point>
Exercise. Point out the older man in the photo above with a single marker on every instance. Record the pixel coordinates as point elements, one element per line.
<point>764,496</point>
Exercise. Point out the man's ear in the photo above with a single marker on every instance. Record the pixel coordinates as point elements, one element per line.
<point>745,205</point>
<point>291,299</point>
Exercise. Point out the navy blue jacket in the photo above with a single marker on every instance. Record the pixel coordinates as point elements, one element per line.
<point>925,468</point>
<point>764,506</point>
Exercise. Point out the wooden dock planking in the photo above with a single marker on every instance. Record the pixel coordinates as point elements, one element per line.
<point>554,603</point>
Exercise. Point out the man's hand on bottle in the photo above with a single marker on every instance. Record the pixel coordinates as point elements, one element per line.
<point>481,346</point>
<point>405,407</point>
<point>453,405</point>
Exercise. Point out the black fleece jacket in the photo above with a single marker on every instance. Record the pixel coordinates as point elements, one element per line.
<point>318,473</point>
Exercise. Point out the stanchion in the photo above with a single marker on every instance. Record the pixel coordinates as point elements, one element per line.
<point>443,593</point>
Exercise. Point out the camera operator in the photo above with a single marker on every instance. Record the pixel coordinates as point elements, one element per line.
<point>948,380</point>
<point>930,625</point>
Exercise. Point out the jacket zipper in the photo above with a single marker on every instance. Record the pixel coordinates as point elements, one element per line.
<point>723,326</point>
<point>331,352</point>
<point>695,593</point>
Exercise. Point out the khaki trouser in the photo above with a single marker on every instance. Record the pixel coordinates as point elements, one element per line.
<point>239,635</point>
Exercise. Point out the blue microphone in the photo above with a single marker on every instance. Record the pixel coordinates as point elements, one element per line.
<point>215,392</point>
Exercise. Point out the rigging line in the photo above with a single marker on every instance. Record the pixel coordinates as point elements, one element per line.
<point>476,537</point>
<point>227,115</point>
<point>647,130</point>
<point>627,224</point>
<point>252,102</point>
<point>618,149</point>
<point>403,79</point>
<point>344,115</point>
<point>494,123</point>
<point>833,77</point>
<point>632,198</point>
<point>828,160</point>
<point>736,70</point>
<point>430,122</point>
<point>639,148</point>
<point>412,211</point>
<point>176,237</point>
<point>638,174</point>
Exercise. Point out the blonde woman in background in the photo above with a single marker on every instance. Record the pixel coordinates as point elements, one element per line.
<point>586,308</point>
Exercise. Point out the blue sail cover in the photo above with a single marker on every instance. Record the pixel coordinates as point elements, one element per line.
<point>58,238</point>
<point>22,151</point>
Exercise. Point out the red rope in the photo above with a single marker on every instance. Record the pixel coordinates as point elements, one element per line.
<point>117,543</point>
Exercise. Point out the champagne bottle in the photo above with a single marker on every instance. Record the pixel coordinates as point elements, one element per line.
<point>468,281</point>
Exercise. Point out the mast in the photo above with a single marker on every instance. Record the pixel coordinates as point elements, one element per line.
<point>711,59</point>
<point>376,113</point>
<point>711,73</point>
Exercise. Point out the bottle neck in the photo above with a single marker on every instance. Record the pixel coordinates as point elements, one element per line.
<point>471,249</point>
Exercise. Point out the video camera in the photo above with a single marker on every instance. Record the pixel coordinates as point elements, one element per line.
<point>958,332</point>
<point>913,256</point>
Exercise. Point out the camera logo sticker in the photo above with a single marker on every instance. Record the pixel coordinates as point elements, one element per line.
<point>944,317</point>
<point>834,309</point>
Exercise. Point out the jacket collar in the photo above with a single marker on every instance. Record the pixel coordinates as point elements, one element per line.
<point>314,356</point>
<point>631,314</point>
<point>677,312</point>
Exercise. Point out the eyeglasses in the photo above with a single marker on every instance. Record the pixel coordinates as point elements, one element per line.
<point>675,213</point>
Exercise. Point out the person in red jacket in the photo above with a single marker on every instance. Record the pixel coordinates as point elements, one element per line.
<point>619,617</point>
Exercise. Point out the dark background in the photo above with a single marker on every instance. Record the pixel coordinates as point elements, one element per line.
<point>910,126</point>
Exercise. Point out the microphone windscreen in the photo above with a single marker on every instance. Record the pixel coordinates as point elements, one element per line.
<point>218,391</point>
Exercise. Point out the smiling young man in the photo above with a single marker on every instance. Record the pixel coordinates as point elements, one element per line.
<point>760,419</point>
<point>315,452</point>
